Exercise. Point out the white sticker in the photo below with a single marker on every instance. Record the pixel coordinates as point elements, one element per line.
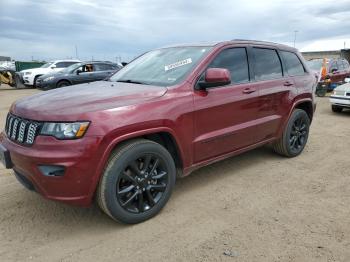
<point>178,64</point>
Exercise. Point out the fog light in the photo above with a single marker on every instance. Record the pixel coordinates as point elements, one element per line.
<point>52,170</point>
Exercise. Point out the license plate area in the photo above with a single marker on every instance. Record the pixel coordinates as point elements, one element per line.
<point>5,157</point>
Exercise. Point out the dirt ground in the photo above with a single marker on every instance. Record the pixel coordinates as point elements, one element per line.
<point>254,207</point>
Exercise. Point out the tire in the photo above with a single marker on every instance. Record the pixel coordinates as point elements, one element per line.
<point>128,194</point>
<point>295,135</point>
<point>336,109</point>
<point>34,81</point>
<point>321,92</point>
<point>62,83</point>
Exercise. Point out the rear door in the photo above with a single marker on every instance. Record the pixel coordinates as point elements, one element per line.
<point>103,71</point>
<point>224,116</point>
<point>274,92</point>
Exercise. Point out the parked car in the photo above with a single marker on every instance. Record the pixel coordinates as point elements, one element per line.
<point>170,111</point>
<point>340,99</point>
<point>77,74</point>
<point>30,76</point>
<point>330,72</point>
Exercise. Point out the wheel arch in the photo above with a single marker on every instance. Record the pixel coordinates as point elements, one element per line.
<point>163,136</point>
<point>305,105</point>
<point>64,80</point>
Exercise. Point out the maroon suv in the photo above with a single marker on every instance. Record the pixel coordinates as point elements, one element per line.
<point>170,111</point>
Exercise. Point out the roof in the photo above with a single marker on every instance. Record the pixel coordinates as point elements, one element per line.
<point>235,41</point>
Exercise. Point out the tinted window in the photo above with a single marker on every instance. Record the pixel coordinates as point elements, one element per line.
<point>333,66</point>
<point>103,67</point>
<point>235,60</point>
<point>267,64</point>
<point>61,65</point>
<point>293,64</point>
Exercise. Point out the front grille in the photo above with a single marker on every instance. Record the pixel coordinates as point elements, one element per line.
<point>21,130</point>
<point>339,93</point>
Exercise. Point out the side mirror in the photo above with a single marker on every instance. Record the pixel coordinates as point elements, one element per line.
<point>215,77</point>
<point>79,71</point>
<point>53,66</point>
<point>124,63</point>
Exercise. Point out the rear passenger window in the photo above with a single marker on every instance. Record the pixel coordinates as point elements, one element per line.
<point>235,60</point>
<point>293,65</point>
<point>267,64</point>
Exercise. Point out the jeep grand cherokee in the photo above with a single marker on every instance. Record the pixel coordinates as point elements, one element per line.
<point>172,110</point>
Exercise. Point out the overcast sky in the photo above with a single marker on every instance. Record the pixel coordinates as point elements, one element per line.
<point>106,29</point>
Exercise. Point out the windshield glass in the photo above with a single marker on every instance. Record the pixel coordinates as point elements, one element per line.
<point>71,68</point>
<point>162,67</point>
<point>315,64</point>
<point>46,65</point>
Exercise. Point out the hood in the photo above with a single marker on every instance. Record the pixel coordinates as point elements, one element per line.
<point>344,87</point>
<point>72,101</point>
<point>59,73</point>
<point>38,70</point>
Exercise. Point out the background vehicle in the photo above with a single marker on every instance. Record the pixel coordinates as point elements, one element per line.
<point>30,76</point>
<point>330,72</point>
<point>77,74</point>
<point>340,98</point>
<point>170,111</point>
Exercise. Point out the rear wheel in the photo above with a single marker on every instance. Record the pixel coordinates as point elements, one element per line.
<point>295,135</point>
<point>137,182</point>
<point>63,83</point>
<point>336,109</point>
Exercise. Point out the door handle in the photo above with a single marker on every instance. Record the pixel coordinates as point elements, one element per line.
<point>287,83</point>
<point>248,90</point>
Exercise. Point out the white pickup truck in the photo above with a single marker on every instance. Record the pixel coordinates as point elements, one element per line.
<point>31,75</point>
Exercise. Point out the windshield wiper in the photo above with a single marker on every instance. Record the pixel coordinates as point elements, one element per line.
<point>132,82</point>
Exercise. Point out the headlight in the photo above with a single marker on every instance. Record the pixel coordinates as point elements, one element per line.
<point>65,130</point>
<point>27,73</point>
<point>49,78</point>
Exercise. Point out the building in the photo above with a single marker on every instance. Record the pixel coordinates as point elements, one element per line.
<point>5,58</point>
<point>344,53</point>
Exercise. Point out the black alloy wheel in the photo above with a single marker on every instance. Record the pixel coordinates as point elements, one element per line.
<point>142,183</point>
<point>298,134</point>
<point>295,135</point>
<point>137,182</point>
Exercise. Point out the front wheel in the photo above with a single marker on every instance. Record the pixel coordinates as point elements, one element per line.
<point>336,109</point>
<point>62,83</point>
<point>137,181</point>
<point>295,135</point>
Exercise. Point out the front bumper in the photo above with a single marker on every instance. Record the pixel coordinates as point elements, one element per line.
<point>340,100</point>
<point>45,85</point>
<point>78,157</point>
<point>28,79</point>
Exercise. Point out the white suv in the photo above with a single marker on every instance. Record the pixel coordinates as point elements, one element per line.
<point>31,75</point>
<point>340,98</point>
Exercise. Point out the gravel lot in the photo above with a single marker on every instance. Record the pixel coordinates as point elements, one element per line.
<point>254,207</point>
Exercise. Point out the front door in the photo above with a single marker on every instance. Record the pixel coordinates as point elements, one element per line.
<point>224,117</point>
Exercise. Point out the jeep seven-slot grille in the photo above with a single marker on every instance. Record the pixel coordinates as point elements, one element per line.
<point>21,130</point>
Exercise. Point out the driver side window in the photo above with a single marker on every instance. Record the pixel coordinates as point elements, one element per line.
<point>234,60</point>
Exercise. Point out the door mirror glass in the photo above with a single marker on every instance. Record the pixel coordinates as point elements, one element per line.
<point>215,77</point>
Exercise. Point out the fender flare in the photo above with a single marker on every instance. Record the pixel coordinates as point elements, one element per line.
<point>119,139</point>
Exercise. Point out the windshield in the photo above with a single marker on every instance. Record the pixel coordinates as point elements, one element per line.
<point>162,67</point>
<point>315,64</point>
<point>71,68</point>
<point>47,65</point>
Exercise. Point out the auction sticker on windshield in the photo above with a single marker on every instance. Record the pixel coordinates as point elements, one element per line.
<point>178,64</point>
